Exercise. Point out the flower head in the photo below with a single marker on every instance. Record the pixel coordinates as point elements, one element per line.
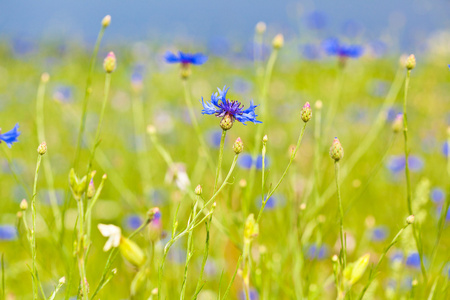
<point>229,109</point>
<point>113,233</point>
<point>10,136</point>
<point>332,46</point>
<point>185,58</point>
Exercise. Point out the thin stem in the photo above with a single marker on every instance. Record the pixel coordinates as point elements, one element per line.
<point>219,162</point>
<point>81,250</point>
<point>270,193</point>
<point>203,146</point>
<point>317,136</point>
<point>18,179</point>
<point>225,296</point>
<point>373,272</point>
<point>205,258</point>
<point>407,174</point>
<point>87,94</point>
<point>47,166</point>
<point>33,229</point>
<point>341,219</point>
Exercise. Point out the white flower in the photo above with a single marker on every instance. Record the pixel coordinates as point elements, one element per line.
<point>113,232</point>
<point>177,174</point>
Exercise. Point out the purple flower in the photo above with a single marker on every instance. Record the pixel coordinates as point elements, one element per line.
<point>413,260</point>
<point>437,195</point>
<point>8,233</point>
<point>132,222</point>
<point>315,251</point>
<point>11,136</point>
<point>332,46</point>
<point>221,106</point>
<point>379,233</point>
<point>185,58</point>
<point>252,295</point>
<point>397,163</point>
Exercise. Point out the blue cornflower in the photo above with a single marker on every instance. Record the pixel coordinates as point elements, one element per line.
<point>379,233</point>
<point>276,200</point>
<point>445,149</point>
<point>397,163</point>
<point>413,260</point>
<point>258,162</point>
<point>8,233</point>
<point>313,251</point>
<point>332,46</point>
<point>185,58</point>
<point>231,109</point>
<point>133,221</point>
<point>10,136</point>
<point>437,195</point>
<point>252,295</point>
<point>245,161</point>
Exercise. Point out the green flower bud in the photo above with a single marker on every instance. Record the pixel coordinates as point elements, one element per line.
<point>354,271</point>
<point>91,189</point>
<point>251,228</point>
<point>397,125</point>
<point>42,149</point>
<point>23,204</point>
<point>306,112</point>
<point>198,190</point>
<point>132,252</point>
<point>77,186</point>
<point>106,21</point>
<point>336,150</point>
<point>410,219</point>
<point>109,64</point>
<point>278,41</point>
<point>411,62</point>
<point>238,146</point>
<point>227,122</point>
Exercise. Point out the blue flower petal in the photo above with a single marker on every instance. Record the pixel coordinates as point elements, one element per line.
<point>10,136</point>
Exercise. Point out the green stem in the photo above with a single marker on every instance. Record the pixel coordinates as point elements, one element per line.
<point>341,219</point>
<point>33,229</point>
<point>205,258</point>
<point>407,174</point>
<point>203,146</point>
<point>270,193</point>
<point>219,162</point>
<point>373,272</point>
<point>47,166</point>
<point>87,94</point>
<point>317,135</point>
<point>18,179</point>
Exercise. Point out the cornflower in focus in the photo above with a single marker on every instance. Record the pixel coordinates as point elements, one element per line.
<point>229,110</point>
<point>10,137</point>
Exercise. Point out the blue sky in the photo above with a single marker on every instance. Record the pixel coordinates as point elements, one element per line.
<point>410,21</point>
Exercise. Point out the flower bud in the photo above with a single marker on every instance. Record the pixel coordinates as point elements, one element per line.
<point>42,149</point>
<point>410,219</point>
<point>318,104</point>
<point>106,21</point>
<point>77,186</point>
<point>132,252</point>
<point>45,77</point>
<point>251,228</point>
<point>23,204</point>
<point>242,183</point>
<point>410,62</point>
<point>354,271</point>
<point>109,64</point>
<point>265,139</point>
<point>238,146</point>
<point>336,150</point>
<point>227,122</point>
<point>62,280</point>
<point>91,189</point>
<point>278,41</point>
<point>306,112</point>
<point>260,27</point>
<point>185,71</point>
<point>198,190</point>
<point>397,125</point>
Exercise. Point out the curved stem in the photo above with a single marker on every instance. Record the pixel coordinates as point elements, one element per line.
<point>341,219</point>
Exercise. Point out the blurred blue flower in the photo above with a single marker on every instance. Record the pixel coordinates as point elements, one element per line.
<point>396,163</point>
<point>379,48</point>
<point>276,200</point>
<point>132,222</point>
<point>258,162</point>
<point>311,51</point>
<point>445,149</point>
<point>213,137</point>
<point>313,251</point>
<point>21,46</point>
<point>219,46</point>
<point>379,233</point>
<point>439,210</point>
<point>185,58</point>
<point>378,88</point>
<point>437,195</point>
<point>391,114</point>
<point>63,93</point>
<point>316,20</point>
<point>8,233</point>
<point>10,137</point>
<point>253,295</point>
<point>413,260</point>
<point>245,161</point>
<point>397,256</point>
<point>232,108</point>
<point>332,46</point>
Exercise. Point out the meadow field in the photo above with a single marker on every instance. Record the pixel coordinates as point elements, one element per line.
<point>282,169</point>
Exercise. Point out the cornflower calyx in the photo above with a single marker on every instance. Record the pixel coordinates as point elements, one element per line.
<point>336,150</point>
<point>306,112</point>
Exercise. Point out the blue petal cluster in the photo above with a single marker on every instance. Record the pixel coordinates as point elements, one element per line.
<point>332,46</point>
<point>10,136</point>
<point>221,106</point>
<point>185,58</point>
